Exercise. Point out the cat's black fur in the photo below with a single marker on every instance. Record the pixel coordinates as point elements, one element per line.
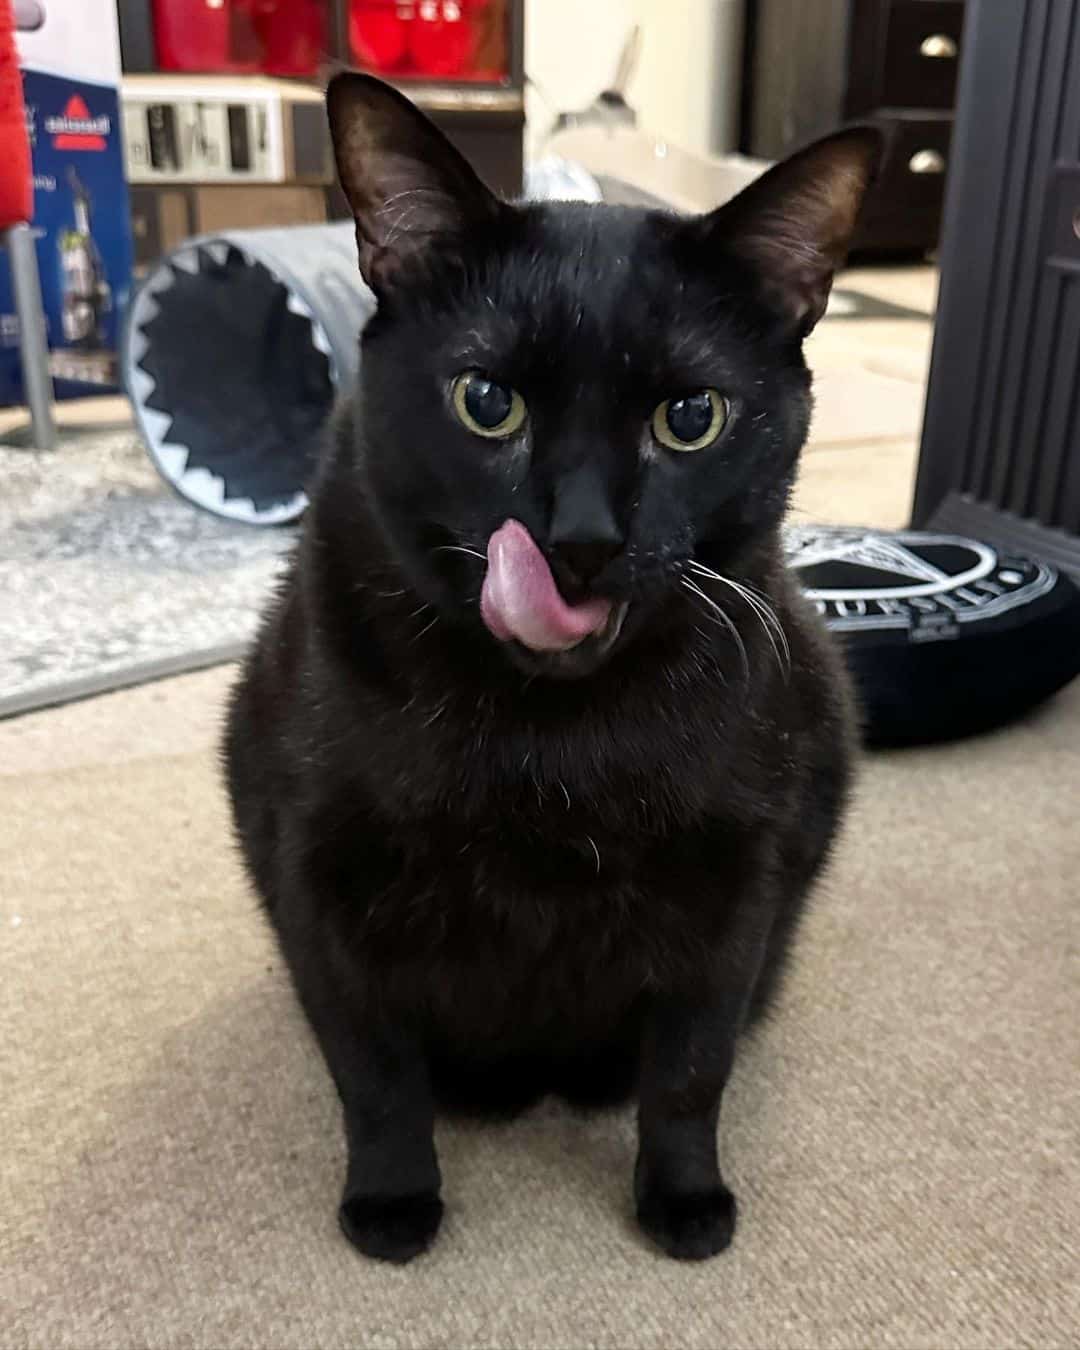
<point>496,874</point>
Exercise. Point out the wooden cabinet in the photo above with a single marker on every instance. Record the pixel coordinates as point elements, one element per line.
<point>814,66</point>
<point>904,54</point>
<point>475,92</point>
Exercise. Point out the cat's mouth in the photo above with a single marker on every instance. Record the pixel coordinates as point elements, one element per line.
<point>522,607</point>
<point>573,662</point>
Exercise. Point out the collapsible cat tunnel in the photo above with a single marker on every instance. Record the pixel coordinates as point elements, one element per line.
<point>235,344</point>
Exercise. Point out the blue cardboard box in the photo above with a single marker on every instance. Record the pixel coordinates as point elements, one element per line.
<point>70,60</point>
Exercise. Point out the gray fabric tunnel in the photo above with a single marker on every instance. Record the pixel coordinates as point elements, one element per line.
<point>235,344</point>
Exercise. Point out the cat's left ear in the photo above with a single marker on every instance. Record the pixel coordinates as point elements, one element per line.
<point>793,225</point>
<point>410,191</point>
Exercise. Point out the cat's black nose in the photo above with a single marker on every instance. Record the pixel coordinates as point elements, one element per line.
<point>582,560</point>
<point>584,534</point>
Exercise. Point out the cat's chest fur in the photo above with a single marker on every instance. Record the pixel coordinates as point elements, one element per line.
<point>566,829</point>
<point>520,904</point>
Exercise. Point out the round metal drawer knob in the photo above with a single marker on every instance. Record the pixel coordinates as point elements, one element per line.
<point>938,47</point>
<point>927,161</point>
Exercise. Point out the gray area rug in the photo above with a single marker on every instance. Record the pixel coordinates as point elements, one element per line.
<point>107,579</point>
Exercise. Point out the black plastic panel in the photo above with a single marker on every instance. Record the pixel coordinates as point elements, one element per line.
<point>1002,422</point>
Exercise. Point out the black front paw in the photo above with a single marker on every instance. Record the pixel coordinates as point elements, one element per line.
<point>391,1227</point>
<point>690,1226</point>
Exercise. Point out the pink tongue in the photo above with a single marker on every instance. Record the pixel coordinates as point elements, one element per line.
<point>520,599</point>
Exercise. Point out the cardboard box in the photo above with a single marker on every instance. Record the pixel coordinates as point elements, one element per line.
<point>71,74</point>
<point>165,216</point>
<point>203,129</point>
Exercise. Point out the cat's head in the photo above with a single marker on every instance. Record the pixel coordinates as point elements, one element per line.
<point>563,406</point>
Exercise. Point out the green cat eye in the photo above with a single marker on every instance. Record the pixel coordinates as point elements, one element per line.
<point>692,421</point>
<point>487,407</point>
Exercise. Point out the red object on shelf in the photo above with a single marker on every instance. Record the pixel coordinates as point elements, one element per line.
<point>291,33</point>
<point>276,37</point>
<point>16,177</point>
<point>197,35</point>
<point>441,39</point>
<point>379,34</point>
<point>432,39</point>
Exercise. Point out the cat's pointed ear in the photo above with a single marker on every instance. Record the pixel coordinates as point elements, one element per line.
<point>408,188</point>
<point>794,224</point>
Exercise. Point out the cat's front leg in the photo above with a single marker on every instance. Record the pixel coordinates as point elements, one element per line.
<point>390,1208</point>
<point>687,1055</point>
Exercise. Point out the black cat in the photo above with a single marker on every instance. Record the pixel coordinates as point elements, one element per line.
<point>538,750</point>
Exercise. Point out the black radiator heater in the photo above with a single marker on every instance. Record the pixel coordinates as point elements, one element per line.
<point>1000,454</point>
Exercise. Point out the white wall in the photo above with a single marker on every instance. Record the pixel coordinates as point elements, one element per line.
<point>568,72</point>
<point>687,82</point>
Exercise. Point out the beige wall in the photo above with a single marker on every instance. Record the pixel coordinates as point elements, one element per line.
<point>687,82</point>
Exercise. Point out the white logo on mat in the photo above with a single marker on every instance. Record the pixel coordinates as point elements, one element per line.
<point>918,591</point>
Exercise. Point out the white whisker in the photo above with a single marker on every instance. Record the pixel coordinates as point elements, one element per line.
<point>426,629</point>
<point>769,623</point>
<point>770,611</point>
<point>763,610</point>
<point>459,548</point>
<point>430,721</point>
<point>722,618</point>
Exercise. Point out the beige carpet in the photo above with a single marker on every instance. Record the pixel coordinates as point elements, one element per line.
<point>903,1138</point>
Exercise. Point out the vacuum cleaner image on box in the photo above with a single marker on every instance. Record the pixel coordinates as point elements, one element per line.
<point>69,55</point>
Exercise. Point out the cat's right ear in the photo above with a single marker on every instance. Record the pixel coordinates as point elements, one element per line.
<point>792,226</point>
<point>410,191</point>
